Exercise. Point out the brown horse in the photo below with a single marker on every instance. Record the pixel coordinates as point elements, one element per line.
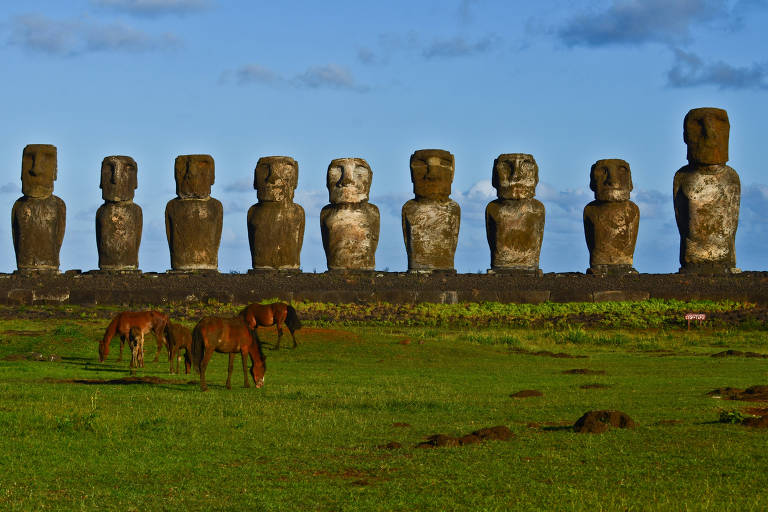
<point>276,314</point>
<point>136,344</point>
<point>178,337</point>
<point>147,321</point>
<point>229,336</point>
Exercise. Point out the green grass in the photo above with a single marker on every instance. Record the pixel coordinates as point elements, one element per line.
<point>309,438</point>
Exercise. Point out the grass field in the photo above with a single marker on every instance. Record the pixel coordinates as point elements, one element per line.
<point>312,438</point>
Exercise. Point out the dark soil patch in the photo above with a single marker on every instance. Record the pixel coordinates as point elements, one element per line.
<point>758,422</point>
<point>751,394</point>
<point>13,332</point>
<point>668,422</point>
<point>597,422</point>
<point>594,385</point>
<point>584,371</point>
<point>33,356</point>
<point>123,381</point>
<point>400,424</point>
<point>392,445</point>
<point>498,433</point>
<point>547,353</point>
<point>526,393</point>
<point>739,353</point>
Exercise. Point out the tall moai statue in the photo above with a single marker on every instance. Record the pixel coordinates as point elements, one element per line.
<point>193,220</point>
<point>514,223</point>
<point>350,224</point>
<point>611,220</point>
<point>706,195</point>
<point>38,218</point>
<point>119,220</point>
<point>276,223</point>
<point>431,220</point>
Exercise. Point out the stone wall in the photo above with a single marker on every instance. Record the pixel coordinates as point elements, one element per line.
<point>150,288</point>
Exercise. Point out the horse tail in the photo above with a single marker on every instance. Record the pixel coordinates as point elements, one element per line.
<point>292,319</point>
<point>197,348</point>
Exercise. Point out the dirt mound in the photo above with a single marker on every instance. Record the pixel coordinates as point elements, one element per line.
<point>751,394</point>
<point>497,433</point>
<point>739,353</point>
<point>597,422</point>
<point>123,381</point>
<point>33,356</point>
<point>546,353</point>
<point>594,385</point>
<point>584,371</point>
<point>526,393</point>
<point>756,422</point>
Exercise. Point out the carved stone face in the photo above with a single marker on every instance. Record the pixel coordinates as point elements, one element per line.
<point>194,176</point>
<point>349,180</point>
<point>611,180</point>
<point>432,173</point>
<point>38,170</point>
<point>515,176</point>
<point>275,178</point>
<point>705,131</point>
<point>118,178</point>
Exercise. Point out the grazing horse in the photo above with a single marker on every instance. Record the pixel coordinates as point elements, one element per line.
<point>227,335</point>
<point>177,336</point>
<point>145,320</point>
<point>136,344</point>
<point>276,314</point>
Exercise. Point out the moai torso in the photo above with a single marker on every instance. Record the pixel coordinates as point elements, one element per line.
<point>119,220</point>
<point>193,220</point>
<point>350,224</point>
<point>706,195</point>
<point>611,221</point>
<point>431,220</point>
<point>276,223</point>
<point>38,219</point>
<point>514,223</point>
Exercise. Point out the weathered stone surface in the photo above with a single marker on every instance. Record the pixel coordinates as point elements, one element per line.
<point>431,221</point>
<point>514,222</point>
<point>193,220</point>
<point>38,219</point>
<point>119,220</point>
<point>350,224</point>
<point>706,196</point>
<point>276,223</point>
<point>611,221</point>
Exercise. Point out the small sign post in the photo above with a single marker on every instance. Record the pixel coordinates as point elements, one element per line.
<point>698,317</point>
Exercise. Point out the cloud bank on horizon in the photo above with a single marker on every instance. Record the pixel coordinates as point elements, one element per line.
<point>567,82</point>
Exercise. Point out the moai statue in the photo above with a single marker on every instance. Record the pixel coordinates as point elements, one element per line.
<point>38,218</point>
<point>276,223</point>
<point>193,220</point>
<point>514,223</point>
<point>119,220</point>
<point>350,224</point>
<point>611,220</point>
<point>706,195</point>
<point>431,220</point>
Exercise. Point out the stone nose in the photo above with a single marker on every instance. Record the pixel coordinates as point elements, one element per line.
<point>345,178</point>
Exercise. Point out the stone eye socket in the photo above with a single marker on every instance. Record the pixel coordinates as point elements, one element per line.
<point>445,163</point>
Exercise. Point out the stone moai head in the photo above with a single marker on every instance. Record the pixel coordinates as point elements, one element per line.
<point>275,178</point>
<point>705,131</point>
<point>194,176</point>
<point>118,178</point>
<point>432,173</point>
<point>348,180</point>
<point>515,176</point>
<point>38,170</point>
<point>611,180</point>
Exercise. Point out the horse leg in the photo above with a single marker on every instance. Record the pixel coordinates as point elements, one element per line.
<point>171,354</point>
<point>246,383</point>
<point>293,336</point>
<point>187,362</point>
<point>122,342</point>
<point>279,335</point>
<point>203,365</point>
<point>229,369</point>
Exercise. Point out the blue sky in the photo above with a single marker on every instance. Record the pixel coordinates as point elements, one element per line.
<point>569,82</point>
